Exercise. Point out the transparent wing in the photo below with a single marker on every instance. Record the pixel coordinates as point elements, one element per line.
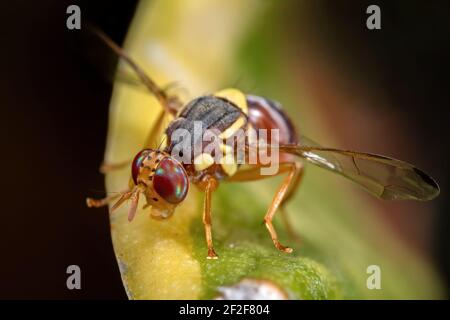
<point>384,177</point>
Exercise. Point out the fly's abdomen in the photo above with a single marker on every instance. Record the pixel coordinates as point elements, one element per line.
<point>264,116</point>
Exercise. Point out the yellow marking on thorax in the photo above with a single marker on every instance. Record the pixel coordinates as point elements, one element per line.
<point>235,96</point>
<point>238,98</point>
<point>228,132</point>
<point>203,161</point>
<point>226,149</point>
<point>228,162</point>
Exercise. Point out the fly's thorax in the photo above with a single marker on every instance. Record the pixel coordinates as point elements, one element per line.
<point>200,136</point>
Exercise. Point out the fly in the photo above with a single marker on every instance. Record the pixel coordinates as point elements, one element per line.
<point>164,179</point>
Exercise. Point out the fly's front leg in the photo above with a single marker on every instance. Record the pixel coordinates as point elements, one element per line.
<point>151,141</point>
<point>131,194</point>
<point>211,185</point>
<point>97,203</point>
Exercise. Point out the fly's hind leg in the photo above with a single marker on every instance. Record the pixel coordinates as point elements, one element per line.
<point>296,180</point>
<point>284,193</point>
<point>276,202</point>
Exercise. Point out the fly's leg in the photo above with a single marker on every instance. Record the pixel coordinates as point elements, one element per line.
<point>97,203</point>
<point>296,180</point>
<point>108,167</point>
<point>211,185</point>
<point>170,104</point>
<point>277,200</point>
<point>284,193</point>
<point>132,195</point>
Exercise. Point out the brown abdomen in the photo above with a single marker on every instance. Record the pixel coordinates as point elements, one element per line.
<point>266,114</point>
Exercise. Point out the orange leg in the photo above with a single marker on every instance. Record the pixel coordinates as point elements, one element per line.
<point>170,104</point>
<point>97,203</point>
<point>288,196</point>
<point>211,185</point>
<point>124,196</point>
<point>284,193</point>
<point>108,167</point>
<point>277,200</point>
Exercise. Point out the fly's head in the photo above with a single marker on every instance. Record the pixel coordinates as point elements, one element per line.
<point>161,179</point>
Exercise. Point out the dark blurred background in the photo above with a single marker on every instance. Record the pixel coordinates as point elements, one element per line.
<point>55,107</point>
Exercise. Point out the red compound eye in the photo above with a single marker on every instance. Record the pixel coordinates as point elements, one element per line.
<point>170,181</point>
<point>137,163</point>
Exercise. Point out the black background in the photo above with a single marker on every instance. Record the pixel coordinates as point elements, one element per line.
<point>54,121</point>
<point>54,125</point>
